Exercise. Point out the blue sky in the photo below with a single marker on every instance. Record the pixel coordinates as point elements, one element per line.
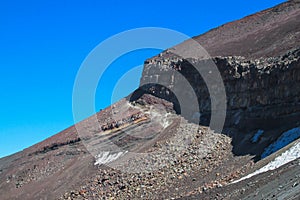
<point>43,43</point>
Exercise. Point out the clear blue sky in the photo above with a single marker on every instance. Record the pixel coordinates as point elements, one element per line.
<point>43,43</point>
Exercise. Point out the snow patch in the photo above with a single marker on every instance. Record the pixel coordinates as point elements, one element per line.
<point>165,121</point>
<point>159,117</point>
<point>107,157</point>
<point>286,157</point>
<point>257,136</point>
<point>285,139</point>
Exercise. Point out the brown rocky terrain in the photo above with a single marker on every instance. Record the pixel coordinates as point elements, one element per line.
<point>150,145</point>
<point>265,34</point>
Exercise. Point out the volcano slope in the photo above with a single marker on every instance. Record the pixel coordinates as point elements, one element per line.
<point>144,146</point>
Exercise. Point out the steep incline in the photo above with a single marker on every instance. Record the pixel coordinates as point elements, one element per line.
<point>258,58</point>
<point>268,33</point>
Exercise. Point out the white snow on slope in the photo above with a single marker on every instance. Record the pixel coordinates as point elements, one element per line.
<point>107,157</point>
<point>286,157</point>
<point>285,139</point>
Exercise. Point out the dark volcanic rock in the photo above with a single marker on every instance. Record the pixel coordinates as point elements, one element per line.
<point>261,93</point>
<point>258,59</point>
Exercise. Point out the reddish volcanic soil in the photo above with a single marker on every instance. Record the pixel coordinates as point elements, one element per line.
<point>144,149</point>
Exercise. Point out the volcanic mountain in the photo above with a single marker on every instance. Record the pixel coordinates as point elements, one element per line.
<point>154,144</point>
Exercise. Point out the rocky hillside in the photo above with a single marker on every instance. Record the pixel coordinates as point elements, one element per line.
<point>261,93</point>
<point>157,143</point>
<point>269,33</point>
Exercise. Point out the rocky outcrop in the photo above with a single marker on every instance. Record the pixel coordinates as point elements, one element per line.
<point>55,146</point>
<point>261,93</point>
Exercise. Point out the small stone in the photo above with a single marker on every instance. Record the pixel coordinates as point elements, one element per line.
<point>295,184</point>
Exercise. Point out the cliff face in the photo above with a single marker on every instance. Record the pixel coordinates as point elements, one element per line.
<point>258,61</point>
<point>261,93</point>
